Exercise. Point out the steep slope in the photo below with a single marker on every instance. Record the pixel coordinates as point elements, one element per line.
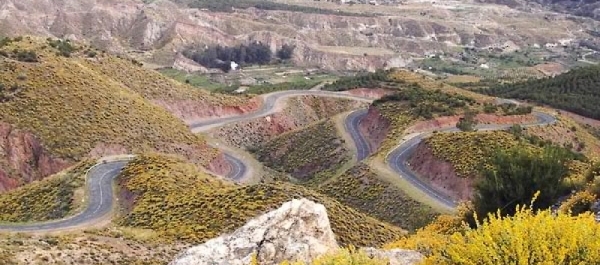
<point>310,154</point>
<point>362,189</point>
<point>56,111</point>
<point>52,198</point>
<point>172,198</point>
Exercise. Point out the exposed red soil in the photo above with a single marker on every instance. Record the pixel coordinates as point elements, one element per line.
<point>449,121</point>
<point>219,165</point>
<point>373,93</point>
<point>440,174</point>
<point>23,159</point>
<point>194,153</point>
<point>374,127</point>
<point>191,111</point>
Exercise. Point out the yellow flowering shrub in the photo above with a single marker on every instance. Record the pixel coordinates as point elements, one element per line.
<point>578,203</point>
<point>528,237</point>
<point>344,256</point>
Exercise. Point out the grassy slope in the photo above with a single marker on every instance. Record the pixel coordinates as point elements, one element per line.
<point>178,202</point>
<point>48,199</point>
<point>362,189</point>
<point>72,108</point>
<point>303,153</point>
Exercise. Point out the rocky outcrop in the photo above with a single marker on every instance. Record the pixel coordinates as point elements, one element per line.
<point>23,159</point>
<point>374,127</point>
<point>298,231</point>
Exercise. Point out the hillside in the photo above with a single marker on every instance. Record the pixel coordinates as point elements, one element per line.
<point>310,154</point>
<point>337,37</point>
<point>574,91</point>
<point>176,201</point>
<point>362,189</point>
<point>56,110</point>
<point>52,198</point>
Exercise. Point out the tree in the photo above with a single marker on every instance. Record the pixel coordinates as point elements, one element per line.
<point>467,122</point>
<point>286,52</point>
<point>518,173</point>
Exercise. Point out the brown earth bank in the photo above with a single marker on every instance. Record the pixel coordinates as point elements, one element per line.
<point>299,112</point>
<point>374,93</point>
<point>23,159</point>
<point>194,153</point>
<point>440,174</point>
<point>191,111</point>
<point>374,128</point>
<point>482,118</point>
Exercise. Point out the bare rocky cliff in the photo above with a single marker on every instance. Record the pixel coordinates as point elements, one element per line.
<point>157,31</point>
<point>23,159</point>
<point>298,231</point>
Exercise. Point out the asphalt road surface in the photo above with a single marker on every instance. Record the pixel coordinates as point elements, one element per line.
<point>100,201</point>
<point>397,159</point>
<point>100,177</point>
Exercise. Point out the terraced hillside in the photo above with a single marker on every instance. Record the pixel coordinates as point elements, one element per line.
<point>56,110</point>
<point>176,201</point>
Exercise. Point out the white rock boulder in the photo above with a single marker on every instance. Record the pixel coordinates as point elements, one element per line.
<point>298,230</point>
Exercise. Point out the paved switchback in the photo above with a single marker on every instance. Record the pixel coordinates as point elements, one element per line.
<point>398,157</point>
<point>100,177</point>
<point>100,201</point>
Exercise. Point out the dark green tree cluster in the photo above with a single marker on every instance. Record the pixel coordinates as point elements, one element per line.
<point>286,52</point>
<point>517,174</point>
<point>513,109</point>
<point>25,56</point>
<point>427,103</point>
<point>577,91</point>
<point>222,56</point>
<point>467,122</point>
<point>64,47</point>
<point>231,5</point>
<point>361,80</point>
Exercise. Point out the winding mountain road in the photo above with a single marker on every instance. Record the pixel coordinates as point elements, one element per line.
<point>398,157</point>
<point>100,177</point>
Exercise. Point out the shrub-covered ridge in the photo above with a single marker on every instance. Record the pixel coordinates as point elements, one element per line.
<point>174,199</point>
